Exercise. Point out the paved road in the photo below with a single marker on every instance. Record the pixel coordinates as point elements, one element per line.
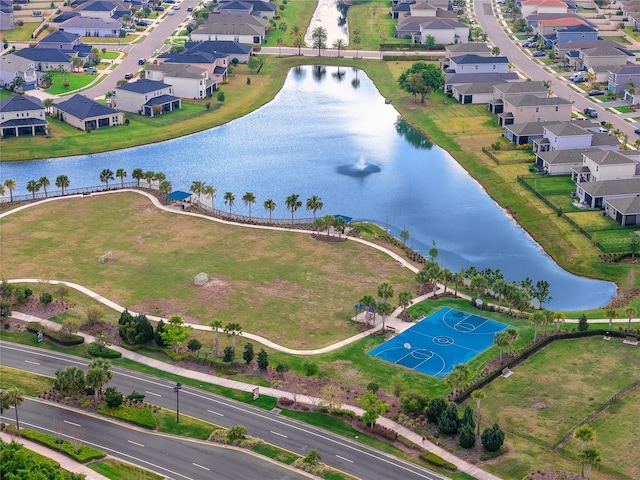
<point>534,70</point>
<point>167,455</point>
<point>339,452</point>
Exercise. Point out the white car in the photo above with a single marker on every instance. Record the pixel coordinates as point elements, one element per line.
<point>177,7</point>
<point>170,12</point>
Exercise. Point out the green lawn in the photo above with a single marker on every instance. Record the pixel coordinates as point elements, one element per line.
<point>296,13</point>
<point>4,94</point>
<point>622,109</point>
<point>75,81</point>
<point>30,383</point>
<point>110,55</point>
<point>20,34</point>
<point>372,18</point>
<point>117,470</point>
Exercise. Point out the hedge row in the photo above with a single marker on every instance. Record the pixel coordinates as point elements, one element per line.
<point>58,337</point>
<point>138,416</point>
<point>434,459</point>
<point>94,350</point>
<point>80,453</point>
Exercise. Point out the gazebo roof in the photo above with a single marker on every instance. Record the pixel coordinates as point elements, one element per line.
<point>178,195</point>
<point>346,219</point>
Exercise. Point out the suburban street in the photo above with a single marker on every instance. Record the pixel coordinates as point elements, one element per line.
<point>531,68</point>
<point>336,451</point>
<point>167,455</point>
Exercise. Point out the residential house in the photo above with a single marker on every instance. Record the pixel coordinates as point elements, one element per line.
<point>188,81</point>
<point>458,49</point>
<point>473,92</point>
<point>600,60</point>
<point>525,133</point>
<point>501,91</point>
<point>232,49</point>
<point>22,115</point>
<point>12,67</point>
<point>146,97</point>
<point>43,59</point>
<point>97,9</point>
<point>64,16</point>
<point>86,114</point>
<point>572,135</point>
<point>215,63</point>
<point>595,194</point>
<point>453,79</point>
<point>625,211</point>
<point>560,49</point>
<point>257,8</point>
<point>471,63</point>
<point>548,23</point>
<point>91,27</point>
<point>6,15</point>
<point>64,41</point>
<point>530,108</point>
<point>623,79</point>
<point>443,30</point>
<point>560,162</point>
<point>528,7</point>
<point>236,28</point>
<point>571,34</point>
<point>601,165</point>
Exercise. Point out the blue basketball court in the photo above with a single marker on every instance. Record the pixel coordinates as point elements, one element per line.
<point>440,341</point>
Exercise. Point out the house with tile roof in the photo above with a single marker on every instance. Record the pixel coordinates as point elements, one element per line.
<point>529,7</point>
<point>548,23</point>
<point>215,63</point>
<point>530,108</point>
<point>443,30</point>
<point>231,49</point>
<point>188,81</point>
<point>236,28</point>
<point>22,115</point>
<point>86,114</point>
<point>501,91</point>
<point>472,63</point>
<point>147,97</point>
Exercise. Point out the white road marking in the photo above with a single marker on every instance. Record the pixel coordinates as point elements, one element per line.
<point>33,363</point>
<point>279,434</point>
<point>136,443</point>
<point>216,413</point>
<point>71,423</point>
<point>346,459</point>
<point>200,466</point>
<point>152,393</point>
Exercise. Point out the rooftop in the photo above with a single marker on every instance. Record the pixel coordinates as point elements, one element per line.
<point>82,107</point>
<point>143,85</point>
<point>20,103</point>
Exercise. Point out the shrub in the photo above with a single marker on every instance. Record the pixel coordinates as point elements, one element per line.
<point>95,350</point>
<point>467,417</point>
<point>286,401</point>
<point>194,345</point>
<point>236,434</point>
<point>309,368</point>
<point>282,368</point>
<point>467,437</point>
<point>220,96</point>
<point>492,438</point>
<point>448,421</point>
<point>583,325</point>
<point>524,146</point>
<point>227,354</point>
<point>496,145</point>
<point>414,401</point>
<point>248,355</point>
<point>58,337</point>
<point>235,61</point>
<point>373,387</point>
<point>113,397</point>
<point>263,359</point>
<point>135,397</point>
<point>248,80</point>
<point>434,410</point>
<point>82,454</point>
<point>46,298</point>
<point>157,337</point>
<point>434,459</point>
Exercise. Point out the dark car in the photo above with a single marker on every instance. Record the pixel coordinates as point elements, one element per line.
<point>595,93</point>
<point>128,76</point>
<point>637,131</point>
<point>539,53</point>
<point>143,23</point>
<point>189,9</point>
<point>591,112</point>
<point>141,61</point>
<point>158,9</point>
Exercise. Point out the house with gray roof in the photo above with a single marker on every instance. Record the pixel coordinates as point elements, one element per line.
<point>530,108</point>
<point>622,79</point>
<point>97,9</point>
<point>21,115</point>
<point>257,8</point>
<point>625,211</point>
<point>86,114</point>
<point>215,63</point>
<point>64,41</point>
<point>472,63</point>
<point>560,162</point>
<point>147,97</point>
<point>525,133</point>
<point>458,49</point>
<point>603,165</point>
<point>236,28</point>
<point>444,31</point>
<point>188,81</point>
<point>467,93</point>
<point>34,60</point>
<point>231,49</point>
<point>91,27</point>
<point>514,89</point>
<point>452,79</point>
<point>594,194</point>
<point>600,60</point>
<point>6,15</point>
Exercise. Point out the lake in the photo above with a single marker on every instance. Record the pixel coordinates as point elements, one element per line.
<point>329,133</point>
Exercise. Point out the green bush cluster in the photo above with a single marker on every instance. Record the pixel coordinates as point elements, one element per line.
<point>94,350</point>
<point>138,416</point>
<point>434,459</point>
<point>58,337</point>
<point>84,454</point>
<point>136,329</point>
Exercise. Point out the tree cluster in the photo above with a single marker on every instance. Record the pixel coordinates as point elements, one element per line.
<point>421,79</point>
<point>135,330</point>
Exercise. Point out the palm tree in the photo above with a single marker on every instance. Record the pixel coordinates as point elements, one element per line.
<point>339,223</point>
<point>105,176</point>
<point>249,199</point>
<point>48,103</point>
<point>537,318</point>
<point>457,279</point>
<point>479,285</point>
<point>210,191</point>
<point>121,174</point>
<point>559,317</point>
<point>611,314</point>
<point>356,39</point>
<point>279,41</point>
<point>457,377</point>
<point>44,183</point>
<point>148,176</point>
<point>137,174</point>
<point>233,329</point>
<point>385,291</point>
<point>590,457</point>
<point>12,397</point>
<point>384,309</point>
<point>10,185</point>
<point>298,41</point>
<point>269,206</point>
<point>229,198</point>
<point>548,318</point>
<point>478,396</point>
<point>159,177</point>
<point>512,336</point>
<point>215,325</point>
<point>319,36</point>
<point>630,311</point>
<point>404,299</point>
<point>98,374</point>
<point>197,188</point>
<point>500,340</point>
<point>368,302</point>
<point>433,271</point>
<point>292,201</point>
<point>33,187</point>
<point>62,182</point>
<point>314,203</point>
<point>339,43</point>
<point>585,434</point>
<point>165,189</point>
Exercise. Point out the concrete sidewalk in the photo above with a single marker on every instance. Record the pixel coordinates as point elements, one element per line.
<point>64,461</point>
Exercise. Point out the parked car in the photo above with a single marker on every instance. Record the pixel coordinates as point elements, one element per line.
<point>141,61</point>
<point>579,80</point>
<point>539,53</point>
<point>170,12</point>
<point>189,9</point>
<point>158,9</point>
<point>591,112</point>
<point>130,30</point>
<point>170,1</point>
<point>143,23</point>
<point>90,70</point>
<point>594,93</point>
<point>637,131</point>
<point>527,44</point>
<point>128,76</point>
<point>177,7</point>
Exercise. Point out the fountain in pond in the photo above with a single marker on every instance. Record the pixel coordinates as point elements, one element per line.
<point>359,169</point>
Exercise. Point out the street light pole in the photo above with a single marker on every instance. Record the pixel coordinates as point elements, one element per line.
<point>177,390</point>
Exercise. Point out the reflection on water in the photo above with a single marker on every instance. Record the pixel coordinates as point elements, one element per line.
<point>328,15</point>
<point>298,143</point>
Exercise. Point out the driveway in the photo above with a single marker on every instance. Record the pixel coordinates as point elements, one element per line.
<point>535,70</point>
